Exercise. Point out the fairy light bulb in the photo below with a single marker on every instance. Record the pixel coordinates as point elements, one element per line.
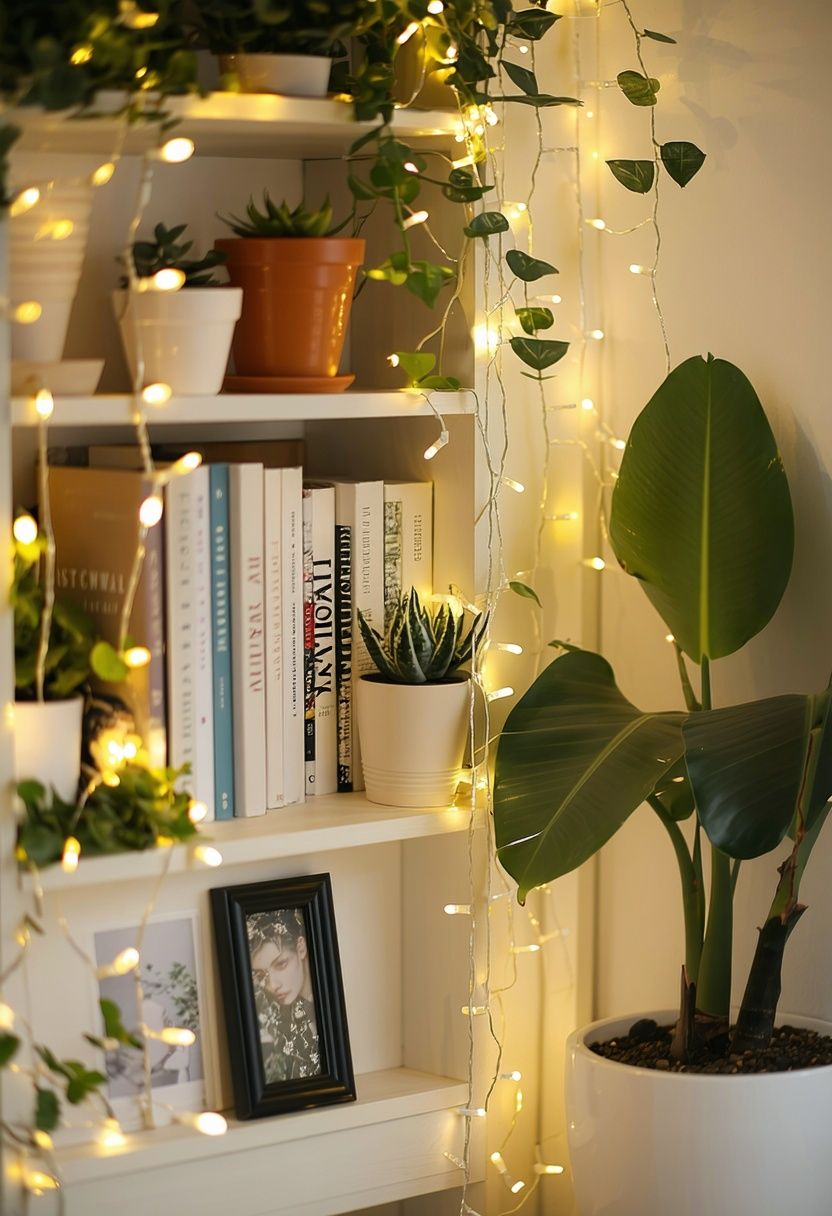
<point>498,1161</point>
<point>618,444</point>
<point>210,1123</point>
<point>472,1112</point>
<point>134,17</point>
<point>514,1075</point>
<point>435,7</point>
<point>415,217</point>
<point>126,961</point>
<point>507,647</point>
<point>136,656</point>
<point>157,394</point>
<point>25,530</point>
<point>186,464</point>
<point>517,1187</point>
<point>6,1017</point>
<point>462,162</point>
<point>517,486</point>
<point>437,445</point>
<point>43,1140</point>
<point>27,313</point>
<point>669,637</point>
<point>24,201</point>
<point>498,694</point>
<point>637,268</point>
<point>457,909</point>
<point>595,334</point>
<point>597,223</point>
<point>176,1036</point>
<point>169,279</point>
<point>103,174</point>
<point>151,511</point>
<point>532,948</point>
<point>37,1182</point>
<point>70,855</point>
<point>409,167</point>
<point>587,404</point>
<point>595,563</point>
<point>110,1135</point>
<point>451,53</point>
<point>208,855</point>
<point>44,403</point>
<point>407,33</point>
<point>473,1011</point>
<point>393,360</point>
<point>58,230</point>
<point>175,151</point>
<point>542,1168</point>
<point>197,812</point>
<point>518,1102</point>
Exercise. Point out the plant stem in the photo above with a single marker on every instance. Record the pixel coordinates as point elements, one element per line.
<point>687,688</point>
<point>691,891</point>
<point>705,694</point>
<point>714,989</point>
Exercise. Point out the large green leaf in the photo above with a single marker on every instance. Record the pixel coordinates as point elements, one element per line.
<point>701,512</point>
<point>747,766</point>
<point>682,160</point>
<point>574,761</point>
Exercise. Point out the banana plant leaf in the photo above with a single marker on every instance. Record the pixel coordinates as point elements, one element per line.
<point>575,759</point>
<point>749,765</point>
<point>701,512</point>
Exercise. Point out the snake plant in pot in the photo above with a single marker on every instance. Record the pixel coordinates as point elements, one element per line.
<point>413,714</point>
<point>702,518</point>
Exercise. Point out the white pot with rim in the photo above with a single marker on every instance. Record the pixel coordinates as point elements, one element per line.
<point>47,743</point>
<point>184,337</point>
<point>650,1143</point>
<point>413,739</point>
<point>292,75</point>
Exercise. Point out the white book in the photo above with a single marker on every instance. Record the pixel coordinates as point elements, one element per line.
<point>360,505</point>
<point>189,655</point>
<point>319,513</point>
<point>273,579</point>
<point>408,540</point>
<point>248,655</point>
<point>294,779</point>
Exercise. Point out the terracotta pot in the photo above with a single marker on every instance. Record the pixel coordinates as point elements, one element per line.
<point>297,294</point>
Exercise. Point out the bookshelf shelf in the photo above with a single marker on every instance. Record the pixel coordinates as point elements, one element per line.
<point>332,821</point>
<point>319,1161</point>
<point>226,124</point>
<point>234,409</point>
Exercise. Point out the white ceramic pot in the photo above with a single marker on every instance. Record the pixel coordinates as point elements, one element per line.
<point>47,743</point>
<point>184,337</point>
<point>293,75</point>
<point>646,1143</point>
<point>412,740</point>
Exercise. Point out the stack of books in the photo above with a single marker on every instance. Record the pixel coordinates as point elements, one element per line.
<point>248,601</point>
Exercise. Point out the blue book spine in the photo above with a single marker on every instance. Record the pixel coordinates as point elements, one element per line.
<point>221,635</point>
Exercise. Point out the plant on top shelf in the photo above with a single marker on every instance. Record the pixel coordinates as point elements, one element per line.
<point>297,275</point>
<point>166,252</point>
<point>702,518</point>
<point>413,715</point>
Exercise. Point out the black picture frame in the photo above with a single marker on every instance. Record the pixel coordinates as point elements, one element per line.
<point>254,1095</point>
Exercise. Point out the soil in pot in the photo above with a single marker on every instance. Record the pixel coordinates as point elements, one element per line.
<point>647,1045</point>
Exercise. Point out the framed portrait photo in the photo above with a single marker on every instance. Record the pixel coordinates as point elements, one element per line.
<point>283,995</point>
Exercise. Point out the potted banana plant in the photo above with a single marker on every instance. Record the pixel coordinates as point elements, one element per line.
<point>413,715</point>
<point>690,1113</point>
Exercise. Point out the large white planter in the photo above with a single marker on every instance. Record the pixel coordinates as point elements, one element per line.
<point>646,1143</point>
<point>412,740</point>
<point>292,75</point>
<point>184,337</point>
<point>47,743</point>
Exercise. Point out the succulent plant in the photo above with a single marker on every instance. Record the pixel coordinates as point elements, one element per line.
<point>421,644</point>
<point>277,221</point>
<point>296,27</point>
<point>165,253</point>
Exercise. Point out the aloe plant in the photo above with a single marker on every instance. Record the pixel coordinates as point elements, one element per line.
<point>421,644</point>
<point>167,252</point>
<point>702,518</point>
<point>276,220</point>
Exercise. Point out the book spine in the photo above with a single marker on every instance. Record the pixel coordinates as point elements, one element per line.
<point>308,649</point>
<point>293,629</point>
<point>273,572</point>
<point>323,601</point>
<point>416,506</point>
<point>393,543</point>
<point>221,620</point>
<point>152,590</point>
<point>343,653</point>
<point>203,775</point>
<point>181,649</point>
<point>247,638</point>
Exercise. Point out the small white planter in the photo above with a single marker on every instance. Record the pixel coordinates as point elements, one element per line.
<point>292,75</point>
<point>47,743</point>
<point>412,740</point>
<point>184,337</point>
<point>646,1143</point>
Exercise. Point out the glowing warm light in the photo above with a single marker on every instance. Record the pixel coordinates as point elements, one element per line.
<point>462,162</point>
<point>517,486</point>
<point>451,53</point>
<point>595,563</point>
<point>176,1036</point>
<point>517,1186</point>
<point>587,404</point>
<point>81,54</point>
<point>71,853</point>
<point>210,1123</point>
<point>564,517</point>
<point>499,694</point>
<point>497,1159</point>
<point>169,279</point>
<point>437,445</point>
<point>186,464</point>
<point>6,1017</point>
<point>618,444</point>
<point>58,230</point>
<point>207,855</point>
<point>407,33</point>
<point>157,394</point>
<point>514,1075</point>
<point>393,360</point>
<point>507,647</point>
<point>472,1112</point>
<point>410,167</point>
<point>435,7</point>
<point>197,812</point>
<point>151,511</point>
<point>136,656</point>
<point>475,1011</point>
<point>126,960</point>
<point>637,268</point>
<point>110,1135</point>
<point>457,909</point>
<point>134,17</point>
<point>669,637</point>
<point>24,201</point>
<point>518,1101</point>
<point>25,530</point>
<point>43,1140</point>
<point>37,1181</point>
<point>44,403</point>
<point>596,334</point>
<point>415,217</point>
<point>532,948</point>
<point>540,1168</point>
<point>175,151</point>
<point>597,223</point>
<point>486,339</point>
<point>490,116</point>
<point>27,313</point>
<point>103,174</point>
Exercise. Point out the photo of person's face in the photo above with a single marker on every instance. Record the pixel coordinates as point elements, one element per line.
<point>283,992</point>
<point>283,970</point>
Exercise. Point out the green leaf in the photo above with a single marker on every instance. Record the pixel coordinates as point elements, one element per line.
<point>682,160</point>
<point>486,224</point>
<point>107,663</point>
<point>426,280</point>
<point>539,353</point>
<point>531,23</point>
<point>636,175</point>
<point>461,187</point>
<point>526,267</point>
<point>9,1044</point>
<point>524,591</point>
<point>638,89</point>
<point>747,766</point>
<point>388,272</point>
<point>114,1027</point>
<point>675,791</point>
<point>360,190</point>
<point>658,37</point>
<point>540,101</point>
<point>533,319</point>
<point>440,384</point>
<point>522,77</point>
<point>47,1109</point>
<point>701,512</point>
<point>575,759</point>
<point>415,364</point>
